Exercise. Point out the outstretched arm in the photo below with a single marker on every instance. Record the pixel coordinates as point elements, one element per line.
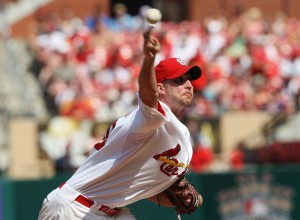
<point>147,81</point>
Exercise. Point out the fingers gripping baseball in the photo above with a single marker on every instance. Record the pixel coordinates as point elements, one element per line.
<point>151,44</point>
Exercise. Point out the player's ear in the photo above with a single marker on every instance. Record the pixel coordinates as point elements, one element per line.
<point>160,88</point>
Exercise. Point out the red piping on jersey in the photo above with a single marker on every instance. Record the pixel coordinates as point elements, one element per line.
<point>160,109</point>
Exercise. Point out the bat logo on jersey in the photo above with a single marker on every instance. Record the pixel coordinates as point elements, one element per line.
<point>170,166</point>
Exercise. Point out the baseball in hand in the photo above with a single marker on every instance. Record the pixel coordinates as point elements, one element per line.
<point>153,16</point>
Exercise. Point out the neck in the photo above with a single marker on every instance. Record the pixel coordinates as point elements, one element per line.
<point>177,110</point>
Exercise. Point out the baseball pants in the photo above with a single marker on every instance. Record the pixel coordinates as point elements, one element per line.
<point>57,207</point>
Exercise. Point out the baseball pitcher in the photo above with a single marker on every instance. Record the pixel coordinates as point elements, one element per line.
<point>144,155</point>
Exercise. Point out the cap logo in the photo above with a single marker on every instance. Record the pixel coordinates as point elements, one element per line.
<point>181,62</point>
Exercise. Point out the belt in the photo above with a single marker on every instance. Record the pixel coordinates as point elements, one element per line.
<point>89,203</point>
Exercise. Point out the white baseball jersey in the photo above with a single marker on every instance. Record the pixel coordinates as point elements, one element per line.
<point>141,155</point>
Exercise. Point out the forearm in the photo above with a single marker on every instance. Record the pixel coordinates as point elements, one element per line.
<point>161,199</point>
<point>147,83</point>
<point>147,79</point>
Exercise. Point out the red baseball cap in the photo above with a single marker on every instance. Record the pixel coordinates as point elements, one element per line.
<point>172,68</point>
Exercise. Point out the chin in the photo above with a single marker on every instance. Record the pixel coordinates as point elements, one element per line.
<point>188,103</point>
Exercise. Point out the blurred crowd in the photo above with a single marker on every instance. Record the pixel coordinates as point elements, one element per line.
<point>88,67</point>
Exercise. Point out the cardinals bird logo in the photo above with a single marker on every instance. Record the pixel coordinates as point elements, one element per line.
<point>168,153</point>
<point>170,165</point>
